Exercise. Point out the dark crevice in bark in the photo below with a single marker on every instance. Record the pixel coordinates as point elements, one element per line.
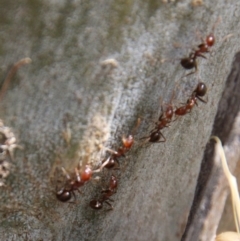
<point>228,109</point>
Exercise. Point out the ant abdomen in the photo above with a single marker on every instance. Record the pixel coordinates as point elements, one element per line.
<point>63,195</point>
<point>86,174</point>
<point>156,136</point>
<point>210,40</point>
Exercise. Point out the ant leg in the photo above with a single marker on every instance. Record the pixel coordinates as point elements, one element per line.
<point>146,142</point>
<point>136,127</point>
<point>161,116</point>
<point>145,137</point>
<point>111,151</point>
<point>196,70</point>
<point>111,207</point>
<point>74,196</point>
<point>102,166</point>
<point>79,191</point>
<point>204,101</point>
<point>162,137</point>
<point>193,72</point>
<point>77,175</point>
<point>153,130</point>
<point>203,56</point>
<point>66,174</point>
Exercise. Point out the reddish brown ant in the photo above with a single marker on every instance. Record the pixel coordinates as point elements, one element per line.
<point>81,176</point>
<point>106,194</point>
<point>199,92</point>
<point>127,143</point>
<point>112,161</point>
<point>190,62</point>
<point>163,121</point>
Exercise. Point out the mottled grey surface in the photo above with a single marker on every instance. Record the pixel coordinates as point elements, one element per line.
<point>68,42</point>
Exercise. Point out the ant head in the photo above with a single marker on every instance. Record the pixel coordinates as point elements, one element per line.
<point>63,195</point>
<point>201,89</point>
<point>155,136</point>
<point>95,204</point>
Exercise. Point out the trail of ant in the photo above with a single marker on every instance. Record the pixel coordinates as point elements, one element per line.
<point>112,163</point>
<point>11,74</point>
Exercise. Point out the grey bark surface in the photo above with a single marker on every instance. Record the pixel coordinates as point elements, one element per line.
<point>69,83</point>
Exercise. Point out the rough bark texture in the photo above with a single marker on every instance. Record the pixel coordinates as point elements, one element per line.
<point>69,84</point>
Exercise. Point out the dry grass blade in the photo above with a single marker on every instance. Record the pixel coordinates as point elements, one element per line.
<point>228,236</point>
<point>233,187</point>
<point>11,73</point>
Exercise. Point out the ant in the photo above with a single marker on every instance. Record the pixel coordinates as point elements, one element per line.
<point>199,92</point>
<point>106,194</point>
<point>127,143</point>
<point>112,161</point>
<point>163,121</point>
<point>81,176</point>
<point>190,62</point>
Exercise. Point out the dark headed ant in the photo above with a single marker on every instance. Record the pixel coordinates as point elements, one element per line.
<point>199,92</point>
<point>81,176</point>
<point>127,143</point>
<point>112,161</point>
<point>106,194</point>
<point>190,62</point>
<point>163,121</point>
